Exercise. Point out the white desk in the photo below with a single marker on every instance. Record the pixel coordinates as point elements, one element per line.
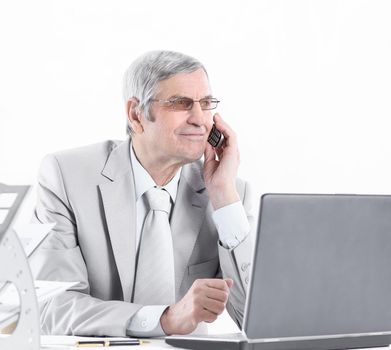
<point>67,343</point>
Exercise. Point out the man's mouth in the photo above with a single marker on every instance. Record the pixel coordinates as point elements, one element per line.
<point>193,136</point>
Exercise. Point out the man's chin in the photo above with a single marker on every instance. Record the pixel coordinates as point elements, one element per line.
<point>193,157</point>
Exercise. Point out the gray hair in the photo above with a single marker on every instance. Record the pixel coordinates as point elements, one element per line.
<point>142,78</point>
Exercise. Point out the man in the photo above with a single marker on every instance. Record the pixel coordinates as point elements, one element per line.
<point>143,270</point>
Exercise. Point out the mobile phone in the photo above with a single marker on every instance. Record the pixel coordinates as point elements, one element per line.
<point>216,137</point>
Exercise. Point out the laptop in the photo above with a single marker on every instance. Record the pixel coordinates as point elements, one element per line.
<point>320,279</point>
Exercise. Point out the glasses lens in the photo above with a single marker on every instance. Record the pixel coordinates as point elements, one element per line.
<point>182,103</point>
<point>208,103</point>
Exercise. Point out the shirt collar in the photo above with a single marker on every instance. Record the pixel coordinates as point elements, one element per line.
<point>144,182</point>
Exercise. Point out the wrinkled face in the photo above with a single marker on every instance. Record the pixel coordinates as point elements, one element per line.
<point>179,135</point>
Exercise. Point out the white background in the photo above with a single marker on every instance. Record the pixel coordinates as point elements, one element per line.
<point>306,84</point>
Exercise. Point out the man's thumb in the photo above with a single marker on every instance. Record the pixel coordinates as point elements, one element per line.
<point>229,282</point>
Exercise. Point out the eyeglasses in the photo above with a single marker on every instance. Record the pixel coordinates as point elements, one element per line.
<point>186,103</point>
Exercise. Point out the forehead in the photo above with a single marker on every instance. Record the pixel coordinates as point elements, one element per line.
<point>194,85</point>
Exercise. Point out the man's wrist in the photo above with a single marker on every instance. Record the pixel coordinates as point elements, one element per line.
<point>165,323</point>
<point>222,196</point>
<point>232,224</point>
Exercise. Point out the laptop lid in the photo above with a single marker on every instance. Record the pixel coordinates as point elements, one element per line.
<point>322,267</point>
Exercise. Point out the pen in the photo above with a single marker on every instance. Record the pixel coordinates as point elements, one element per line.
<point>106,343</point>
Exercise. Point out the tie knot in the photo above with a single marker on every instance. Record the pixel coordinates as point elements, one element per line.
<point>158,199</point>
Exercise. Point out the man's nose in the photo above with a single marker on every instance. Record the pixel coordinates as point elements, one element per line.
<point>197,116</point>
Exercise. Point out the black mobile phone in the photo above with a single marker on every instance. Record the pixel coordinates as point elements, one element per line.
<point>216,137</point>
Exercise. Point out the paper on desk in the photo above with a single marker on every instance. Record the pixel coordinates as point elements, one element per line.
<point>31,235</point>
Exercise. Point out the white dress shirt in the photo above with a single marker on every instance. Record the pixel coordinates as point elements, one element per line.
<point>231,223</point>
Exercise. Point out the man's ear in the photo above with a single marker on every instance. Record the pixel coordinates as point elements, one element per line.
<point>134,115</point>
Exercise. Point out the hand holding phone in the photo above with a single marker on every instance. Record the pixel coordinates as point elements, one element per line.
<point>221,164</point>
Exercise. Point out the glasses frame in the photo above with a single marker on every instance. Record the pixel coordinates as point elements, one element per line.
<point>172,101</point>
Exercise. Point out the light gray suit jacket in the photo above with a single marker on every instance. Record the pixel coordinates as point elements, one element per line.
<point>89,192</point>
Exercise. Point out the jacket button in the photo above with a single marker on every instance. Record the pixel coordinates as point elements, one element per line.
<point>245,266</point>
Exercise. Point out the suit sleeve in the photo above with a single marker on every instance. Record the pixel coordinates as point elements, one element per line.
<point>60,258</point>
<point>235,262</point>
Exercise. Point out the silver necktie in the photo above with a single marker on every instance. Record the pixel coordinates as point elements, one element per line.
<point>155,278</point>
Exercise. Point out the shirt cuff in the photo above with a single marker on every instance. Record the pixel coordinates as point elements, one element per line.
<point>146,322</point>
<point>232,224</point>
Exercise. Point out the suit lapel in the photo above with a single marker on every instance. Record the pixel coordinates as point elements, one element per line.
<point>119,203</point>
<point>187,218</point>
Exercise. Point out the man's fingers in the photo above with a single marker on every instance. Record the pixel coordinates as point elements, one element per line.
<point>215,306</point>
<point>217,294</point>
<point>209,298</point>
<point>228,133</point>
<point>217,283</point>
<point>217,289</point>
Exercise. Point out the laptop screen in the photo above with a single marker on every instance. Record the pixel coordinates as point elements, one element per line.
<point>322,266</point>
